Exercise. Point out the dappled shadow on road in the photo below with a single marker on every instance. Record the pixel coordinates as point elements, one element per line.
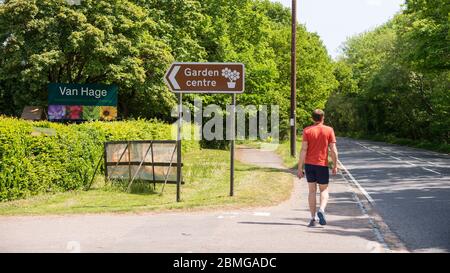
<point>419,217</point>
<point>344,217</point>
<point>340,204</point>
<point>347,224</point>
<point>411,194</point>
<point>347,227</point>
<point>343,204</point>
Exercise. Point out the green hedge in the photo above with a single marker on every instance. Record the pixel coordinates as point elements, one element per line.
<point>62,157</point>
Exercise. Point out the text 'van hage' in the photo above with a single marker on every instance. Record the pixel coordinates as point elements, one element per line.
<point>84,92</point>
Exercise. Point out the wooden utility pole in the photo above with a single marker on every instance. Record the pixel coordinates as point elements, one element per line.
<point>294,80</point>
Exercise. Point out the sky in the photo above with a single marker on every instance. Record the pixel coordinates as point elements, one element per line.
<point>336,20</point>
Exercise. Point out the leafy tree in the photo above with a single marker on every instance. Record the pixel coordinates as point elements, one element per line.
<point>258,33</point>
<point>402,77</point>
<point>132,42</point>
<point>112,42</point>
<point>181,24</point>
<point>425,34</point>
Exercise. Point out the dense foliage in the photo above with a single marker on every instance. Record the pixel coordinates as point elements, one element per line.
<point>132,42</point>
<point>395,81</point>
<point>39,157</point>
<point>392,80</point>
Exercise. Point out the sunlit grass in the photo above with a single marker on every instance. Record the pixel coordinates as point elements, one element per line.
<point>284,151</point>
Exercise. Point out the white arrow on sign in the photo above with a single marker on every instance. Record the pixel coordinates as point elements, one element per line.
<point>172,76</point>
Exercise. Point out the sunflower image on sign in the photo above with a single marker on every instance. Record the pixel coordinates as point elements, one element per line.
<point>91,112</point>
<point>108,113</point>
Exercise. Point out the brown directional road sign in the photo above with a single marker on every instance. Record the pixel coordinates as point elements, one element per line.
<point>206,78</point>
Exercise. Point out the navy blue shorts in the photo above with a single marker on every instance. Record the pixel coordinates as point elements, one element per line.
<point>318,174</point>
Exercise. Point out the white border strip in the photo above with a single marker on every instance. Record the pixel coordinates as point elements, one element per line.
<point>366,194</point>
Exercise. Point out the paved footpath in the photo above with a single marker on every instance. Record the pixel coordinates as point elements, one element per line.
<point>274,229</point>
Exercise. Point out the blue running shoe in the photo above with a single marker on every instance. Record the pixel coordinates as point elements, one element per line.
<point>321,215</point>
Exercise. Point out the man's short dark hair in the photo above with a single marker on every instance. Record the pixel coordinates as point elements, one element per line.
<point>318,115</point>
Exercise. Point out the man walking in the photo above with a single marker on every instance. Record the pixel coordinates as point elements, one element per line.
<point>317,139</point>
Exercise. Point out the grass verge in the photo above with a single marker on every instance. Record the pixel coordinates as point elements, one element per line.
<point>206,173</point>
<point>284,151</point>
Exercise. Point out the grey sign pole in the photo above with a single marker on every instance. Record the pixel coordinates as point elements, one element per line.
<point>233,134</point>
<point>180,124</point>
<point>294,80</point>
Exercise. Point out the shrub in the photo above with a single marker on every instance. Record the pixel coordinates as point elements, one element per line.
<point>63,157</point>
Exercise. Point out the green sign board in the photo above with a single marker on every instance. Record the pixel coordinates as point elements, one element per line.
<point>82,102</point>
<point>82,94</point>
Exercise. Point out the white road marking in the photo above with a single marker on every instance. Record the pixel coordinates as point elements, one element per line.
<point>413,157</point>
<point>375,229</point>
<point>366,194</point>
<point>412,164</point>
<point>418,159</point>
<point>228,215</point>
<point>426,169</point>
<point>407,162</point>
<point>74,247</point>
<point>263,214</point>
<point>371,148</point>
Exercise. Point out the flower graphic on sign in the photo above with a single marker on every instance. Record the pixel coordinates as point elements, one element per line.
<point>232,77</point>
<point>56,112</point>
<point>74,112</point>
<point>108,113</point>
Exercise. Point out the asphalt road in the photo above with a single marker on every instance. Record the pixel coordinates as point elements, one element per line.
<point>410,189</point>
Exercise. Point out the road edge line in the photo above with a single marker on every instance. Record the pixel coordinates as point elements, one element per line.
<point>363,191</point>
<point>386,237</point>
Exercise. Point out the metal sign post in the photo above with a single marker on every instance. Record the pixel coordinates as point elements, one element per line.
<point>206,78</point>
<point>233,135</point>
<point>180,124</point>
<point>294,80</point>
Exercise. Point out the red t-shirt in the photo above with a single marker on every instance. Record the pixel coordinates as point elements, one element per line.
<point>318,137</point>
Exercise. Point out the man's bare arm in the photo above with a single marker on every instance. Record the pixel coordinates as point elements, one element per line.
<point>302,158</point>
<point>334,157</point>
